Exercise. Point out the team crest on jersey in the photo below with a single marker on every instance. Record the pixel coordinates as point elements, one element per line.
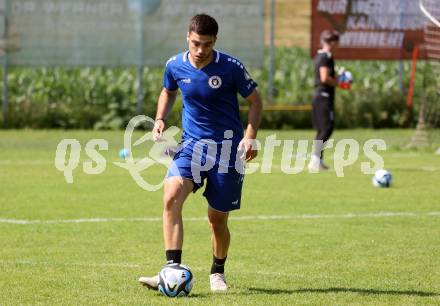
<point>215,82</point>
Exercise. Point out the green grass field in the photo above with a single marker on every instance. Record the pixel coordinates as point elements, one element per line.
<point>306,239</point>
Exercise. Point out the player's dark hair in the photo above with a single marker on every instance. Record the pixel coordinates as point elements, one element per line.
<point>203,24</point>
<point>329,36</point>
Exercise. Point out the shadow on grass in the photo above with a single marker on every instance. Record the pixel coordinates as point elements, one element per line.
<point>199,295</point>
<point>343,290</point>
<point>190,296</point>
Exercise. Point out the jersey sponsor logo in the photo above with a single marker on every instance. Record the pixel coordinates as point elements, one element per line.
<point>215,82</point>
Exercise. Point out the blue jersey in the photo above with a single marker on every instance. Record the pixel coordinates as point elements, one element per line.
<point>210,105</point>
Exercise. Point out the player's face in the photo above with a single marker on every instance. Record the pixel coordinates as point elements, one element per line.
<point>200,46</point>
<point>334,46</point>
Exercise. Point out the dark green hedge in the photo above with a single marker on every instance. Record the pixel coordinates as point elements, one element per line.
<point>103,98</point>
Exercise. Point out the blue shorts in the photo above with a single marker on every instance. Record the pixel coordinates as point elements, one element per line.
<point>205,161</point>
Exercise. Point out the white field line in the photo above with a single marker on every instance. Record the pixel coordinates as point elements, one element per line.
<point>305,170</point>
<point>239,218</point>
<point>52,161</point>
<point>123,265</point>
<point>25,162</point>
<point>74,264</point>
<point>77,264</point>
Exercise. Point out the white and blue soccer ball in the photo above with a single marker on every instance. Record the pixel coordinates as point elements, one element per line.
<point>346,77</point>
<point>124,153</point>
<point>382,178</point>
<point>175,280</point>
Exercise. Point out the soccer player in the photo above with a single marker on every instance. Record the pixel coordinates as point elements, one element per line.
<point>209,81</point>
<point>323,100</point>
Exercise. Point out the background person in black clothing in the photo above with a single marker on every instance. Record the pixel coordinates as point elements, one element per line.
<point>323,100</point>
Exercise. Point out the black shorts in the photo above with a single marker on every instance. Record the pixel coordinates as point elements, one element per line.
<point>323,112</point>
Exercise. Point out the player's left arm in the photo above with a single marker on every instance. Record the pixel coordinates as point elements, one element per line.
<point>324,73</point>
<point>248,144</point>
<point>247,89</point>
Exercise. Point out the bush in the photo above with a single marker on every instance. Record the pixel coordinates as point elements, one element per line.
<point>103,98</point>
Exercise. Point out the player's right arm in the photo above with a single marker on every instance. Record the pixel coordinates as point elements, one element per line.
<point>166,100</point>
<point>164,106</point>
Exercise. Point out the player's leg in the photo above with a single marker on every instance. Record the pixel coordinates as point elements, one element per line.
<point>328,119</point>
<point>328,125</point>
<point>323,122</point>
<point>220,240</point>
<point>176,190</point>
<point>318,124</point>
<point>223,192</point>
<point>220,237</point>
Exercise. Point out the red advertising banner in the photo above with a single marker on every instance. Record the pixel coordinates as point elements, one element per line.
<point>370,29</point>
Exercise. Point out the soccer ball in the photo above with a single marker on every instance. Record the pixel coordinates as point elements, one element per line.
<point>175,280</point>
<point>382,178</point>
<point>124,153</point>
<point>345,80</point>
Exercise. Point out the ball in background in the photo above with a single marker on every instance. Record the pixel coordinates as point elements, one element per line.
<point>124,153</point>
<point>382,178</point>
<point>175,280</point>
<point>345,80</point>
